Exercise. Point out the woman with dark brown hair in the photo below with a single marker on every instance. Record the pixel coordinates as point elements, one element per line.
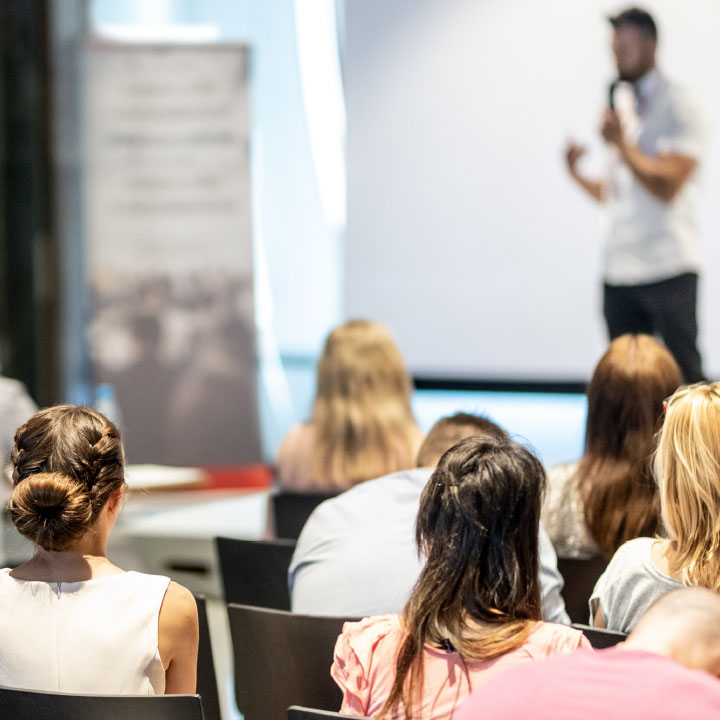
<point>475,609</point>
<point>593,506</point>
<point>70,620</point>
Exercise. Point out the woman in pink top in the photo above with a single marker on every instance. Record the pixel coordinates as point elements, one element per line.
<point>476,607</point>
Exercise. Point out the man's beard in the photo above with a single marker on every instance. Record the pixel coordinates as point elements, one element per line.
<point>632,75</point>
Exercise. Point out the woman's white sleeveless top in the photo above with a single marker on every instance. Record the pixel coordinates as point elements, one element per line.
<point>97,636</point>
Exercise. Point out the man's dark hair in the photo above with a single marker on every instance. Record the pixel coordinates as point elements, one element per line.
<point>635,17</point>
<point>450,430</point>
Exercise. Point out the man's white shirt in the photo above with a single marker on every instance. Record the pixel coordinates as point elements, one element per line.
<point>649,240</point>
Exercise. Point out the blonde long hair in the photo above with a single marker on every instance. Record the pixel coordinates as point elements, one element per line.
<point>362,415</point>
<point>687,468</point>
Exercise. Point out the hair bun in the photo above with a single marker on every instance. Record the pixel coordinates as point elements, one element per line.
<point>51,509</point>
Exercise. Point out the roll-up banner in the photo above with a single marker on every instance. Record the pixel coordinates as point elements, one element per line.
<point>169,246</point>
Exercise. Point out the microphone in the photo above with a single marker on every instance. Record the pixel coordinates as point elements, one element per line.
<point>611,93</point>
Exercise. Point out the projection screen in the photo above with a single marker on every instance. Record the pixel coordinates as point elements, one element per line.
<point>465,233</point>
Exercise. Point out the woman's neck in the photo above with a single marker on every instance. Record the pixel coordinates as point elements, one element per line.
<point>85,559</point>
<point>664,557</point>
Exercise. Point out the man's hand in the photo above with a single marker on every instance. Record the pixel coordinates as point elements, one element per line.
<point>611,129</point>
<point>594,188</point>
<point>573,153</point>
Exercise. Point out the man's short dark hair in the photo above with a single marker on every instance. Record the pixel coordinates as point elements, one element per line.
<point>449,431</point>
<point>635,17</point>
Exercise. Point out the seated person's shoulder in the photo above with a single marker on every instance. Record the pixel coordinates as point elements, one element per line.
<point>369,495</point>
<point>374,506</point>
<point>294,459</point>
<point>178,638</point>
<point>632,552</point>
<point>364,649</point>
<point>179,609</point>
<point>630,561</point>
<point>298,434</point>
<point>10,387</point>
<point>369,636</point>
<point>297,441</point>
<point>548,639</point>
<point>15,401</point>
<point>337,517</point>
<point>376,626</point>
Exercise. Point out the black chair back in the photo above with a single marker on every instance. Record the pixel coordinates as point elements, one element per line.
<point>37,705</point>
<point>282,659</point>
<point>255,572</point>
<point>206,679</point>
<point>295,712</point>
<point>291,510</point>
<point>580,577</point>
<point>600,637</point>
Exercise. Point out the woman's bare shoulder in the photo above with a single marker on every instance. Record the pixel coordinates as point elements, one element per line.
<point>178,608</point>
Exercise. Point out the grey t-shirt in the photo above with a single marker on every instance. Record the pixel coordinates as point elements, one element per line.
<point>629,585</point>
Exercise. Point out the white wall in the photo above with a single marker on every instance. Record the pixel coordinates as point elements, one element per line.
<point>464,232</point>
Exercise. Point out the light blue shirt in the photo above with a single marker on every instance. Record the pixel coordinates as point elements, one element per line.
<point>357,556</point>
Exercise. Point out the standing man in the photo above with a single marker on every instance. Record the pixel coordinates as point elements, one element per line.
<point>652,255</point>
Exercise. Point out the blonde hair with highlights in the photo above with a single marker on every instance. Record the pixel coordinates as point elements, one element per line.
<point>687,468</point>
<point>362,414</point>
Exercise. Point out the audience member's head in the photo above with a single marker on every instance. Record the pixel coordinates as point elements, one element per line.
<point>449,431</point>
<point>687,469</point>
<point>479,591</point>
<point>67,462</point>
<point>683,624</point>
<point>625,404</point>
<point>362,412</point>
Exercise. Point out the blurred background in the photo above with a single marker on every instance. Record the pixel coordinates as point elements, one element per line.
<point>194,192</point>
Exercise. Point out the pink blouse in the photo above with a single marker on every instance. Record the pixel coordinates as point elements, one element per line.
<point>366,653</point>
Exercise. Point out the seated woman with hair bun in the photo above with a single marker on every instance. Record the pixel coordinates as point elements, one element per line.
<point>70,620</point>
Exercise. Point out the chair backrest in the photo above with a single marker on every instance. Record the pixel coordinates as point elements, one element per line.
<point>291,510</point>
<point>282,659</point>
<point>207,686</point>
<point>255,572</point>
<point>295,712</point>
<point>600,637</point>
<point>580,577</point>
<point>37,705</point>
